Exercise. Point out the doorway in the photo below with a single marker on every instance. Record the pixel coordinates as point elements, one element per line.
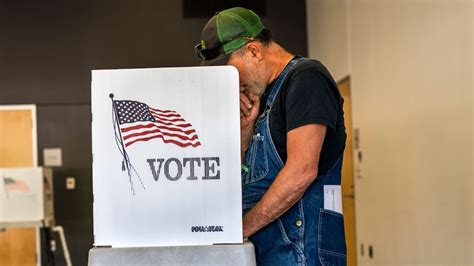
<point>18,149</point>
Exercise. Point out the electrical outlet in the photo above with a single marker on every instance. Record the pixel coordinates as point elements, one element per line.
<point>70,183</point>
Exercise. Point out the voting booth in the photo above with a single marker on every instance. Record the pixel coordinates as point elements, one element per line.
<point>166,161</point>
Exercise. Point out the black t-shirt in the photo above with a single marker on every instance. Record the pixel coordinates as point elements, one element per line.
<point>309,95</point>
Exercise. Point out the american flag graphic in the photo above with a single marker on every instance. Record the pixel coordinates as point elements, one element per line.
<point>139,122</point>
<point>12,184</point>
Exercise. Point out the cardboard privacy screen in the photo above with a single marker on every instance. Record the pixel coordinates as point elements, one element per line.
<point>166,156</point>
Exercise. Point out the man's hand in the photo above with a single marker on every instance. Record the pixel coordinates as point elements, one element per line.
<point>301,168</point>
<point>249,107</point>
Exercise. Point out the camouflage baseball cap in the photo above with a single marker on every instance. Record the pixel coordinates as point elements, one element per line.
<point>225,32</point>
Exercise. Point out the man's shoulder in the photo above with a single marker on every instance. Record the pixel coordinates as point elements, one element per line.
<point>307,64</point>
<point>309,69</point>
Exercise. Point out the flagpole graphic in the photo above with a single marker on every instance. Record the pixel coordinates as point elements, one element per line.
<point>126,164</point>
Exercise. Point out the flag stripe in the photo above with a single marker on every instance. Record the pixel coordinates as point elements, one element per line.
<point>145,126</point>
<point>159,131</point>
<point>130,128</point>
<point>167,119</point>
<point>169,138</point>
<point>124,130</point>
<point>176,125</point>
<point>163,111</point>
<point>181,144</point>
<point>164,137</point>
<point>165,114</point>
<point>177,129</point>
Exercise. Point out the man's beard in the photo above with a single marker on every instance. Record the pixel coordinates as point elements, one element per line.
<point>258,87</point>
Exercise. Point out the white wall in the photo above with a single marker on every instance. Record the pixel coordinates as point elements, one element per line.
<point>412,90</point>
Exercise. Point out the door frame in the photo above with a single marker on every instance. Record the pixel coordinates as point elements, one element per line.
<point>352,254</point>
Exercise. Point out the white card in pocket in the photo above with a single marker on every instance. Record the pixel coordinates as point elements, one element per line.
<point>333,198</point>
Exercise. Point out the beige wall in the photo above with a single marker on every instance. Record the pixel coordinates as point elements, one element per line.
<point>328,36</point>
<point>412,90</point>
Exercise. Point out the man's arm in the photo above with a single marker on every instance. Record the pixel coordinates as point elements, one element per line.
<point>303,148</point>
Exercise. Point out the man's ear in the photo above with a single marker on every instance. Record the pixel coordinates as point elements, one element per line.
<point>255,49</point>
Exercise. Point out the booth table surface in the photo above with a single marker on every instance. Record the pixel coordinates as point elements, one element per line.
<point>226,254</point>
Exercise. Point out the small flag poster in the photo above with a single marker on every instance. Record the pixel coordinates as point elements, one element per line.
<point>166,156</point>
<point>21,195</point>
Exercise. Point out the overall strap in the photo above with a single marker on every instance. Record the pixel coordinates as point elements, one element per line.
<point>276,87</point>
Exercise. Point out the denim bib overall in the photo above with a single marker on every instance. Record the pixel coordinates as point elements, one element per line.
<point>307,234</point>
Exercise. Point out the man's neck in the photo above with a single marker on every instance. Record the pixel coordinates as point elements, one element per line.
<point>278,58</point>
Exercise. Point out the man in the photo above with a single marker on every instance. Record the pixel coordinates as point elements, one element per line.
<point>292,140</point>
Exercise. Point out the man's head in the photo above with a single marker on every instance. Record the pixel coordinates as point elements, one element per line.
<point>225,32</point>
<point>237,37</point>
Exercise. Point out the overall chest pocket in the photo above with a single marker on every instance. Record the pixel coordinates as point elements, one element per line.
<point>255,161</point>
